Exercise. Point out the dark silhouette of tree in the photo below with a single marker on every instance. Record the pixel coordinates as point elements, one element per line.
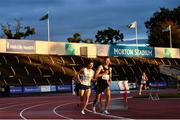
<point>160,21</point>
<point>88,40</point>
<point>19,32</point>
<point>76,38</point>
<point>109,36</point>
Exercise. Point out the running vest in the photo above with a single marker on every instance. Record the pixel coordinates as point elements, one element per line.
<point>87,76</point>
<point>103,80</point>
<point>143,79</point>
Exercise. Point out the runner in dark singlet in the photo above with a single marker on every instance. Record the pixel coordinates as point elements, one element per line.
<point>103,75</point>
<point>102,84</point>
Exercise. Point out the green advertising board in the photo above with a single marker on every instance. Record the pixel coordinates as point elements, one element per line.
<point>69,48</point>
<point>167,53</point>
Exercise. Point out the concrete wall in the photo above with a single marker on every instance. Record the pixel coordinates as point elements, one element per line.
<point>65,48</point>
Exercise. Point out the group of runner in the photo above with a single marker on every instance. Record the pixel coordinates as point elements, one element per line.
<point>102,77</point>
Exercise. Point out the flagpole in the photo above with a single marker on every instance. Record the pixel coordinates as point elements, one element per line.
<point>136,34</point>
<point>134,26</point>
<point>170,36</point>
<point>48,27</point>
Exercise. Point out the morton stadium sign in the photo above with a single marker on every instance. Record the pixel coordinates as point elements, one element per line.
<point>131,51</point>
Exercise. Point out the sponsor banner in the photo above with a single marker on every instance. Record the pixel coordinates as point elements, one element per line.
<point>15,89</point>
<point>52,88</point>
<point>167,52</point>
<point>83,49</point>
<point>158,84</point>
<point>32,89</point>
<point>132,86</point>
<point>64,88</point>
<point>119,85</point>
<point>70,49</point>
<point>114,86</point>
<point>131,51</point>
<point>45,88</point>
<point>24,46</point>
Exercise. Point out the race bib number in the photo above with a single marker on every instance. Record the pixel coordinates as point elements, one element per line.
<point>105,77</point>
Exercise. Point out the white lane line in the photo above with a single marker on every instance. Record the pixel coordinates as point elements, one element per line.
<point>21,113</point>
<point>111,116</point>
<point>54,110</point>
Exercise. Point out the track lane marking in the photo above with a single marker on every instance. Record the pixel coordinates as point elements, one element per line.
<point>27,108</point>
<point>54,110</point>
<point>21,113</point>
<point>112,116</point>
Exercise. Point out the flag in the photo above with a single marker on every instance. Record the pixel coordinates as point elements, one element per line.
<point>133,25</point>
<point>167,29</point>
<point>45,17</point>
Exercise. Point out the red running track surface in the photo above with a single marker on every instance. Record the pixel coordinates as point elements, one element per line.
<point>64,106</point>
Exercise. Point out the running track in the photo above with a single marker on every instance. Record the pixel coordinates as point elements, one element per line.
<point>64,106</point>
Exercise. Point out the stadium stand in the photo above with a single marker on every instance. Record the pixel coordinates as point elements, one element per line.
<point>36,69</point>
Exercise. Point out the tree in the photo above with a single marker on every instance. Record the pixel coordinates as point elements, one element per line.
<point>18,33</point>
<point>76,38</point>
<point>109,36</point>
<point>161,20</point>
<point>88,40</point>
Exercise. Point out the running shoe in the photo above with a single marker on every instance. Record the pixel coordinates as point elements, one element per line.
<point>94,109</point>
<point>82,112</point>
<point>106,112</point>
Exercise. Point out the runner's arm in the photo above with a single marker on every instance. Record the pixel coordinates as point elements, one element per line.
<point>78,74</point>
<point>97,75</point>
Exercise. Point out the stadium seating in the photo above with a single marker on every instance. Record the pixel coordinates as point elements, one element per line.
<point>36,69</point>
